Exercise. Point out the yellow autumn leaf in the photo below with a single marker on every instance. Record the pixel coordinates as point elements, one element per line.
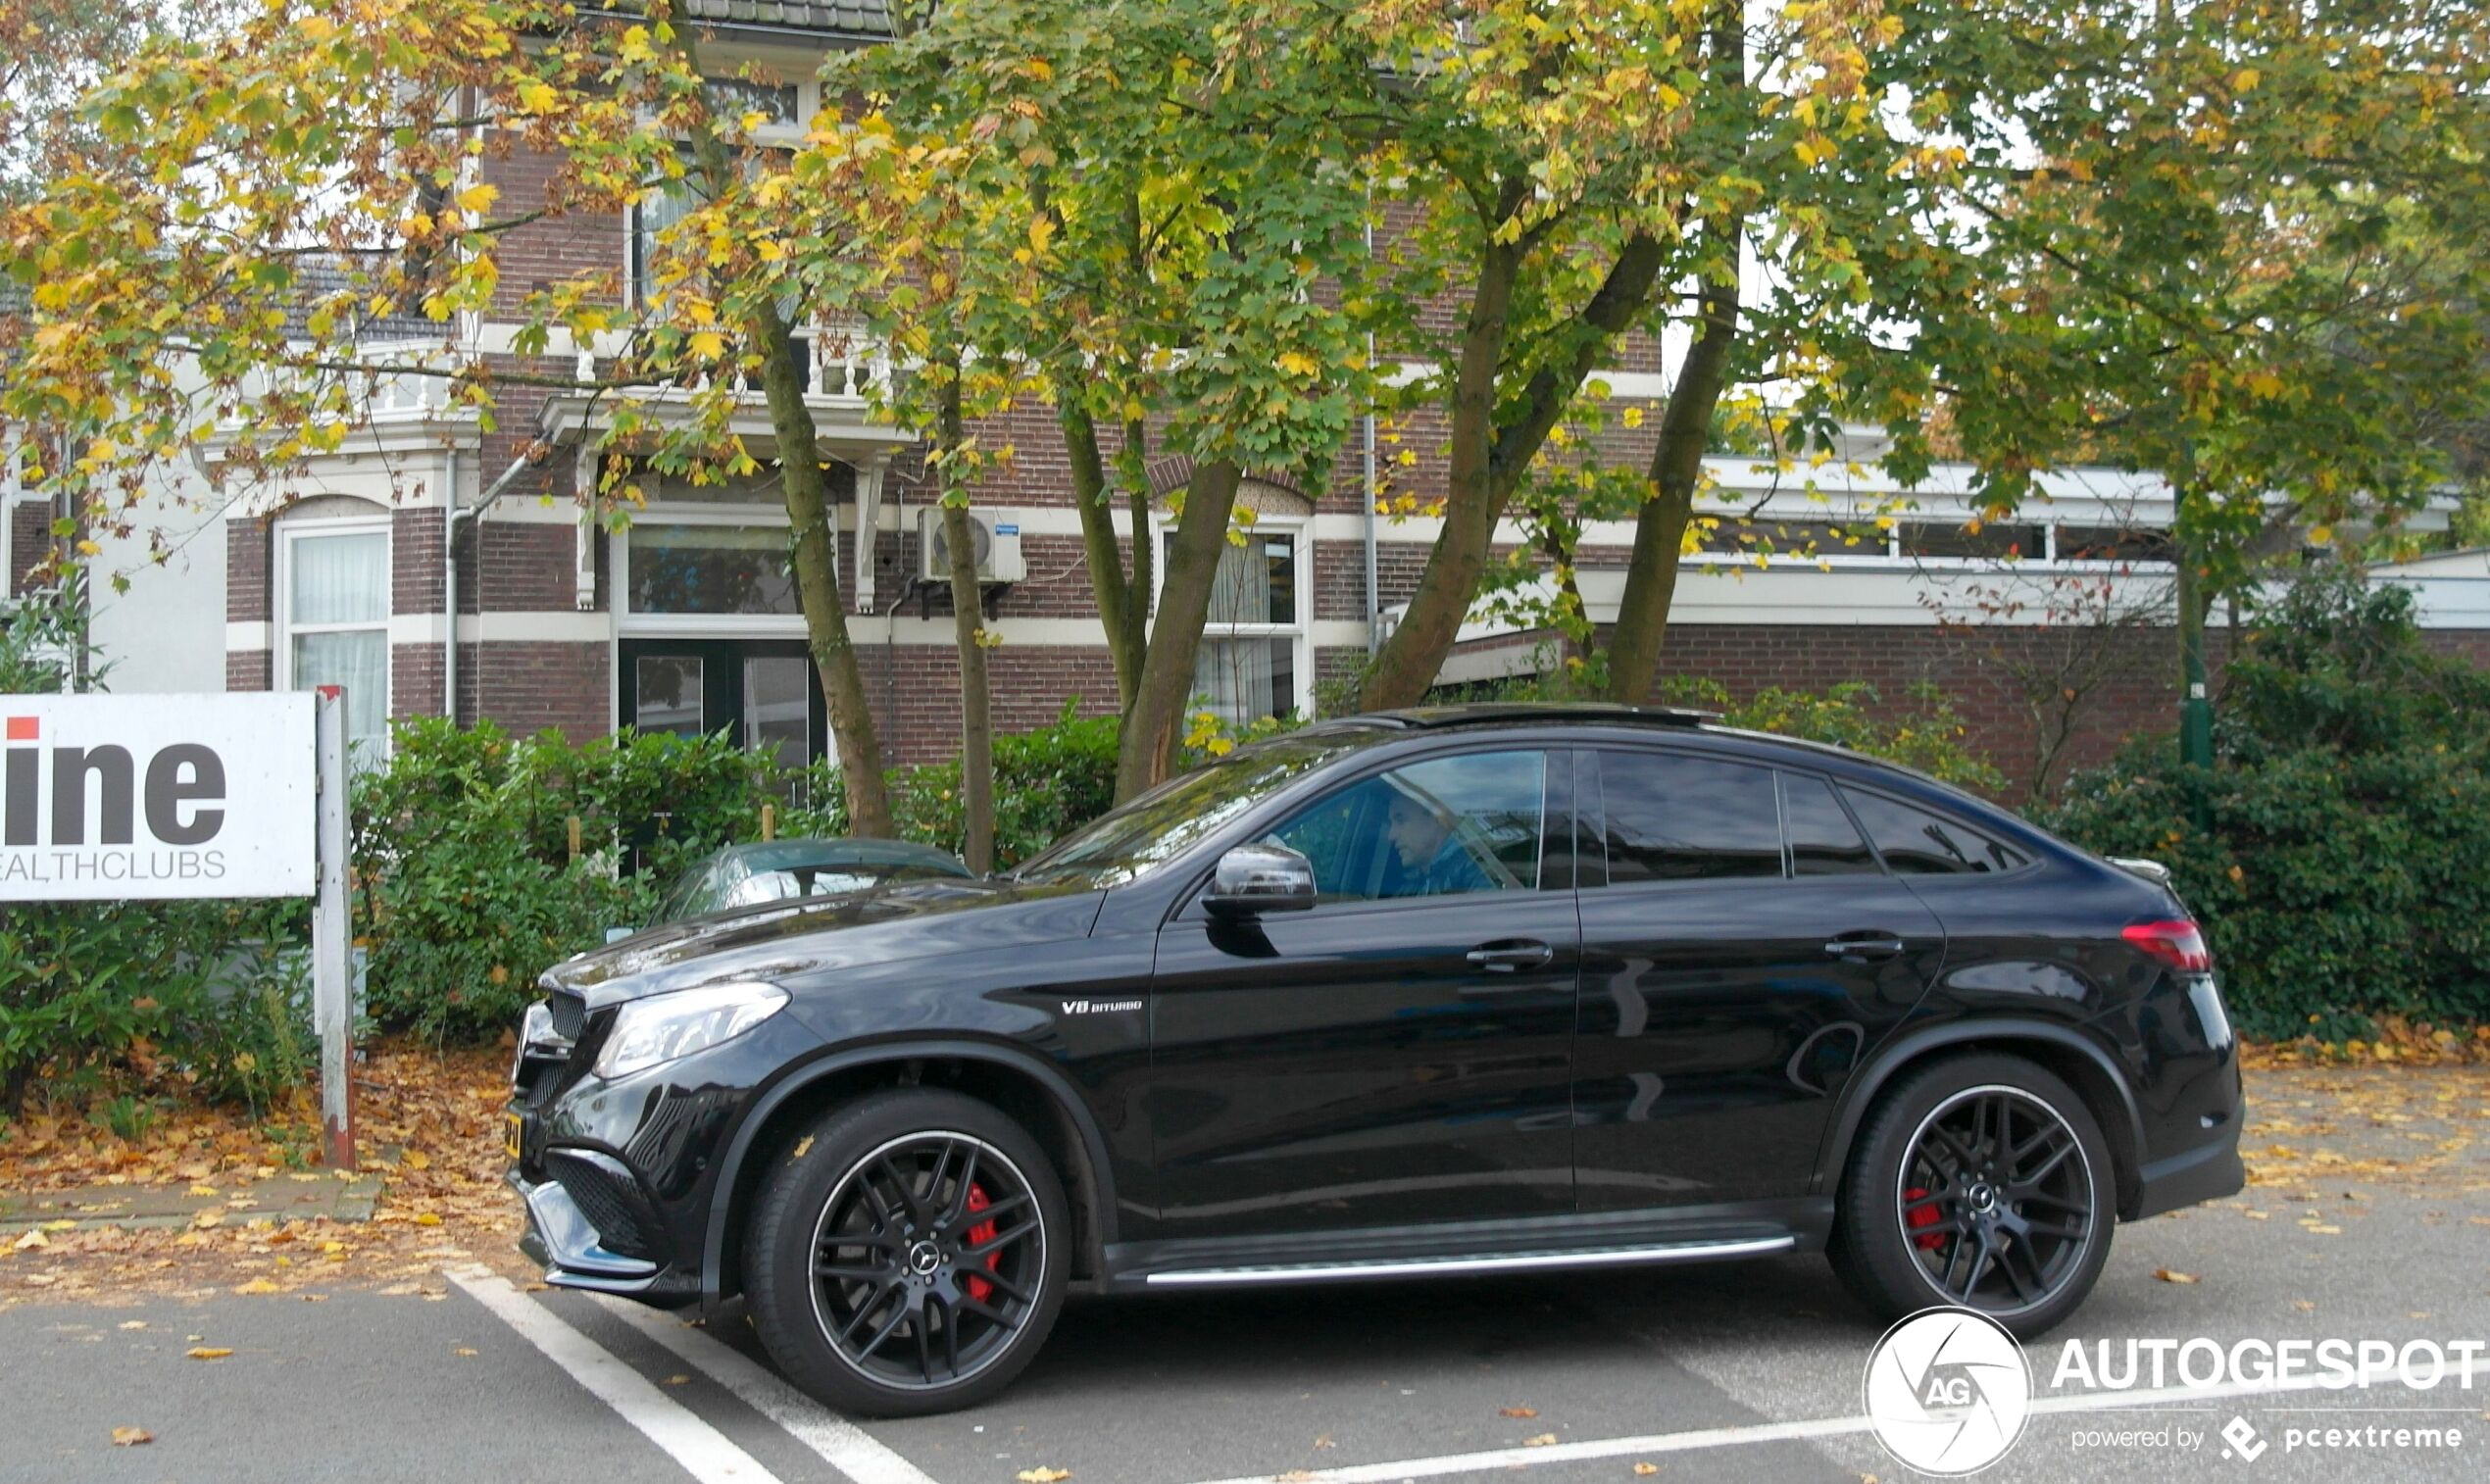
<point>1042,1475</point>
<point>708,345</point>
<point>257,1285</point>
<point>131,1437</point>
<point>208,1351</point>
<point>428,1219</point>
<point>2168,1276</point>
<point>1543,1440</point>
<point>1298,364</point>
<point>477,197</point>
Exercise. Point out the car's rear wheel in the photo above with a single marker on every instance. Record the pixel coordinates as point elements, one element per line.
<point>908,1254</point>
<point>1981,1181</point>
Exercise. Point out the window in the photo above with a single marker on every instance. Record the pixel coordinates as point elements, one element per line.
<point>1918,842</point>
<point>709,570</point>
<point>1767,537</point>
<point>1250,662</point>
<point>673,695</point>
<point>1670,817</point>
<point>1822,840</point>
<point>1994,541</point>
<point>1686,818</point>
<point>1444,828</point>
<point>2113,543</point>
<point>336,603</point>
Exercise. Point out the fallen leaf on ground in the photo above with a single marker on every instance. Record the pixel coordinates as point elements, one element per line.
<point>256,1285</point>
<point>2168,1276</point>
<point>131,1437</point>
<point>677,1380</point>
<point>1646,1468</point>
<point>133,1324</point>
<point>466,1349</point>
<point>208,1351</point>
<point>1541,1441</point>
<point>1042,1475</point>
<point>1519,1411</point>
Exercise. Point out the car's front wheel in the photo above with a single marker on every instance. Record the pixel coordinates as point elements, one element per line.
<point>908,1254</point>
<point>1983,1181</point>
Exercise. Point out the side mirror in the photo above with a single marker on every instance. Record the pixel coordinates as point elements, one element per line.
<point>1253,879</point>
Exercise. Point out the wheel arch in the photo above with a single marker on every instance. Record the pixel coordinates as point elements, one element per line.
<point>2077,1060</point>
<point>1024,1088</point>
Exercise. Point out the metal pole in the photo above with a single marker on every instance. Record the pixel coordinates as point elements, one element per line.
<point>332,994</point>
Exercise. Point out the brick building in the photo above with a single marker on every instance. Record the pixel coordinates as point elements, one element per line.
<point>434,571</point>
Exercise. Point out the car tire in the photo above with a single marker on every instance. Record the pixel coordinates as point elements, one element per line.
<point>1938,1207</point>
<point>875,1273</point>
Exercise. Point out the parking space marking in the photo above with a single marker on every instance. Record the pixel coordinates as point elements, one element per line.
<point>2463,1373</point>
<point>702,1450</point>
<point>841,1444</point>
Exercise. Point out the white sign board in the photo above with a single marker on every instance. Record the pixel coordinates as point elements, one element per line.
<point>125,798</point>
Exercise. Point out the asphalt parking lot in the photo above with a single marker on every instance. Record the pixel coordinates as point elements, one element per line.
<point>1746,1372</point>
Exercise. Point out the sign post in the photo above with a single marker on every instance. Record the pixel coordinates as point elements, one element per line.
<point>165,798</point>
<point>332,986</point>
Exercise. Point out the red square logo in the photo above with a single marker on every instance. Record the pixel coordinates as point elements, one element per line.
<point>23,728</point>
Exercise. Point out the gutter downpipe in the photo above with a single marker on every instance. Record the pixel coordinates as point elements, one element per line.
<point>449,558</point>
<point>1374,597</point>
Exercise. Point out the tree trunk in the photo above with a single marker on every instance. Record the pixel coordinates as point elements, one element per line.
<point>1155,720</point>
<point>1407,664</point>
<point>808,504</point>
<point>1123,602</point>
<point>1488,459</point>
<point>1676,471</point>
<point>967,608</point>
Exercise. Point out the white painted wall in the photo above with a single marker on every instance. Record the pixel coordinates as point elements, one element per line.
<point>166,632</point>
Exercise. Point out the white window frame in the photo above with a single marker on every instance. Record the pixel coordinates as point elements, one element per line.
<point>1867,556</point>
<point>290,532</point>
<point>629,623</point>
<point>1300,531</point>
<point>789,137</point>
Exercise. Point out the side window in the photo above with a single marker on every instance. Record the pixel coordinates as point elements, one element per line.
<point>1680,819</point>
<point>1439,829</point>
<point>1822,840</point>
<point>1920,841</point>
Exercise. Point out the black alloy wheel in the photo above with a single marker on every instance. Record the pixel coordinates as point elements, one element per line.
<point>907,1256</point>
<point>1980,1180</point>
<point>1998,1198</point>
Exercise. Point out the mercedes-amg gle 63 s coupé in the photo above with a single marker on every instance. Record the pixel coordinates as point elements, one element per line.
<point>1463,990</point>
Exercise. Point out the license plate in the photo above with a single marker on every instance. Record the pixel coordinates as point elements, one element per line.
<point>510,1140</point>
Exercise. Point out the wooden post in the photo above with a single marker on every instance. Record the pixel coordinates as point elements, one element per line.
<point>333,987</point>
<point>571,830</point>
<point>768,821</point>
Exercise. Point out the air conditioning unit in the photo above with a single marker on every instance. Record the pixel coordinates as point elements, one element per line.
<point>998,538</point>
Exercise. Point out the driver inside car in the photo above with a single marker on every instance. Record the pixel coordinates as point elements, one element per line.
<point>1429,857</point>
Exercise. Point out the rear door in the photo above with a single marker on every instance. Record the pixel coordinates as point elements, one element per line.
<point>1400,1054</point>
<point>1741,946</point>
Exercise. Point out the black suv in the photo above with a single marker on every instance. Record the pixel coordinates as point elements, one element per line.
<point>1438,991</point>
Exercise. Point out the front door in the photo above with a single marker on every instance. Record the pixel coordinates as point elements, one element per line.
<point>1401,1053</point>
<point>1731,982</point>
<point>761,692</point>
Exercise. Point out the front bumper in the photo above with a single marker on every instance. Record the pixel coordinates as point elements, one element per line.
<point>561,1236</point>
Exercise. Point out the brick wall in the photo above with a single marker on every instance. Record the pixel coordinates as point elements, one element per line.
<point>30,542</point>
<point>529,686</point>
<point>246,569</point>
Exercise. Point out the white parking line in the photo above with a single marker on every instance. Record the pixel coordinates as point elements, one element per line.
<point>1692,1440</point>
<point>703,1451</point>
<point>843,1444</point>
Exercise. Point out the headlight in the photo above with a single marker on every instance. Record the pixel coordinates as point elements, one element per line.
<point>664,1026</point>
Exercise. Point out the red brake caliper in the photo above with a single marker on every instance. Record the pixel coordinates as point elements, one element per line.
<point>1919,1218</point>
<point>979,1288</point>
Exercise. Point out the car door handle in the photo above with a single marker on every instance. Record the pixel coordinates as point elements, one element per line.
<point>1506,957</point>
<point>1866,946</point>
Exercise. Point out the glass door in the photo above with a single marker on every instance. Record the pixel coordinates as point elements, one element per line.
<point>761,692</point>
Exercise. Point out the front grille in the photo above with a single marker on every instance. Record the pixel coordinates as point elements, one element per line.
<point>611,1201</point>
<point>569,1014</point>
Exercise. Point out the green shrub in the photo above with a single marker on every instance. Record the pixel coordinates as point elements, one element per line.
<point>1921,731</point>
<point>1046,783</point>
<point>2338,853</point>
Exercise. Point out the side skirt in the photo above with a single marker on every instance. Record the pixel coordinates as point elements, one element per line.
<point>1607,1240</point>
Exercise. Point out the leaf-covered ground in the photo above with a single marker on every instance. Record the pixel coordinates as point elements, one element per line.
<point>2325,1127</point>
<point>429,1121</point>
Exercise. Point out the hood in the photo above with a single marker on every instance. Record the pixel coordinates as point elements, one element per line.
<point>790,942</point>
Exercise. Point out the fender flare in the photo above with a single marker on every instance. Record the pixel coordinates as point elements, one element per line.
<point>1912,1045</point>
<point>713,1265</point>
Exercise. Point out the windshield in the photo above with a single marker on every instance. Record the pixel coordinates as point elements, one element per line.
<point>1181,813</point>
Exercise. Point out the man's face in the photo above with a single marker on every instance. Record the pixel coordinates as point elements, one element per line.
<point>1417,834</point>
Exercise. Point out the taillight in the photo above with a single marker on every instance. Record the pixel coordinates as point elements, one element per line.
<point>2173,941</point>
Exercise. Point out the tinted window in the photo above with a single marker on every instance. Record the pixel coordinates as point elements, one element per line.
<point>1917,842</point>
<point>1822,840</point>
<point>1180,812</point>
<point>1679,818</point>
<point>1440,829</point>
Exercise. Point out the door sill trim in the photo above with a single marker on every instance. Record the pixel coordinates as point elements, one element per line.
<point>1393,1268</point>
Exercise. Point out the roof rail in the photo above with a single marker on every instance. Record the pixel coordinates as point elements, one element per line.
<point>1483,711</point>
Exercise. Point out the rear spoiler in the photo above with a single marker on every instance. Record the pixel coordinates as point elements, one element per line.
<point>2151,870</point>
